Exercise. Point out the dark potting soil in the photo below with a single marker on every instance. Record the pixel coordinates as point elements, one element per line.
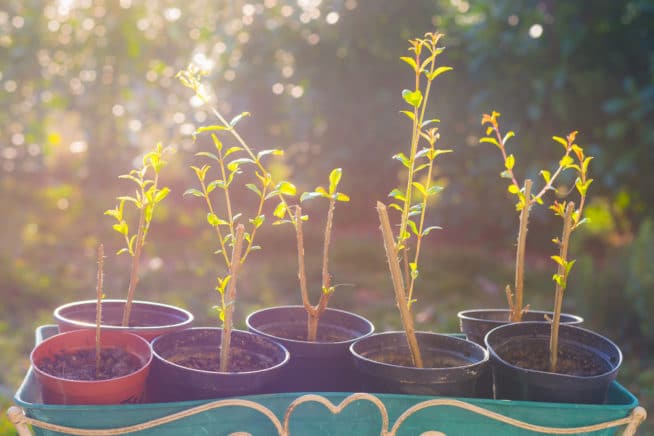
<point>80,365</point>
<point>323,335</point>
<point>577,362</point>
<point>240,360</point>
<point>404,359</point>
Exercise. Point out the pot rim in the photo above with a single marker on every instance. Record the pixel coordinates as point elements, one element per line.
<point>468,315</point>
<point>56,337</point>
<point>162,359</point>
<point>60,317</point>
<point>486,354</point>
<point>296,341</point>
<point>614,366</point>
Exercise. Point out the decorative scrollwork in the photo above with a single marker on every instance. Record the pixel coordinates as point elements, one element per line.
<point>21,421</point>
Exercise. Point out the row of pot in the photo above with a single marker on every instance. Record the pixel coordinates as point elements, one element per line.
<point>347,357</point>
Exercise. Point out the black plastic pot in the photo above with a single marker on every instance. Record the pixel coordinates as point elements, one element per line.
<point>321,366</point>
<point>147,319</point>
<point>477,322</point>
<point>452,365</point>
<point>172,382</point>
<point>532,339</point>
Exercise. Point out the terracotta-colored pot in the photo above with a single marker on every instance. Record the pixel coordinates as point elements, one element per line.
<point>148,319</point>
<point>119,390</point>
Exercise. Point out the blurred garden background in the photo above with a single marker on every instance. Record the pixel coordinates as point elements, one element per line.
<point>88,86</point>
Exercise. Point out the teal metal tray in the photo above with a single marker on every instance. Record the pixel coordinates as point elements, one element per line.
<point>328,414</point>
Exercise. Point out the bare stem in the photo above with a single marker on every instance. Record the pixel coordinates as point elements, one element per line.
<point>226,337</point>
<point>326,279</point>
<point>98,307</point>
<point>396,276</point>
<point>560,286</point>
<point>134,273</point>
<point>517,306</point>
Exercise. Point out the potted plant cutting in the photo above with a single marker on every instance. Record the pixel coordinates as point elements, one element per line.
<point>92,367</point>
<point>416,362</point>
<point>317,337</point>
<point>547,361</point>
<point>475,323</point>
<point>208,362</point>
<point>147,319</point>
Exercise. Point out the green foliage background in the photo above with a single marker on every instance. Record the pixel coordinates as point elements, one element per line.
<point>87,86</point>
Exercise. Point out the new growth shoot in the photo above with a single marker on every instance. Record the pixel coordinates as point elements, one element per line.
<point>412,200</point>
<point>572,219</point>
<point>147,195</point>
<point>236,240</point>
<point>525,200</point>
<point>314,312</point>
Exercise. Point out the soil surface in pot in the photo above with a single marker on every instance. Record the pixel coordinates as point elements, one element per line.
<point>429,361</point>
<point>324,334</point>
<point>80,365</point>
<point>209,360</point>
<point>143,321</point>
<point>571,361</point>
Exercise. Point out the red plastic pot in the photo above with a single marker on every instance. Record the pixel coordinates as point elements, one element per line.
<point>119,390</point>
<point>147,320</point>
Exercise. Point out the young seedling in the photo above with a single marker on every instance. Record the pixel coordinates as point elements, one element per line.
<point>148,194</point>
<point>526,200</point>
<point>314,312</point>
<point>98,307</point>
<point>412,200</point>
<point>572,219</point>
<point>235,243</point>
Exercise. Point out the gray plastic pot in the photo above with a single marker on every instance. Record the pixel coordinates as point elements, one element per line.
<point>452,365</point>
<point>321,366</point>
<point>516,381</point>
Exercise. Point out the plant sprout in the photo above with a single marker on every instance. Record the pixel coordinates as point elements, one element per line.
<point>148,194</point>
<point>412,200</point>
<point>572,219</point>
<point>314,312</point>
<point>235,242</point>
<point>526,200</point>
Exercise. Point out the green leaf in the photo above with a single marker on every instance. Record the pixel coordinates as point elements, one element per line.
<point>216,184</point>
<point>402,158</point>
<point>235,164</point>
<point>194,192</point>
<point>433,190</point>
<point>132,178</point>
<point>558,260</point>
<point>286,188</point>
<point>409,114</point>
<point>505,174</point>
<point>428,122</point>
<point>509,134</point>
<point>395,206</point>
<point>252,187</point>
<point>561,141</point>
<point>257,221</point>
<point>397,194</point>
<point>413,266</point>
<point>411,62</point>
<point>490,141</point>
<point>207,154</point>
<point>310,196</point>
<point>274,152</point>
<point>413,98</point>
<point>210,129</point>
<point>122,251</point>
<point>509,162</point>
<point>513,188</point>
<point>280,210</point>
<point>321,190</point>
<point>161,194</point>
<point>339,196</point>
<point>236,217</point>
<point>566,161</point>
<point>136,202</point>
<point>429,229</point>
<point>420,187</point>
<point>238,118</point>
<point>413,227</point>
<point>121,228</point>
<point>547,176</point>
<point>334,179</point>
<point>201,173</point>
<point>231,150</point>
<point>214,221</point>
<point>217,143</point>
<point>438,71</point>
